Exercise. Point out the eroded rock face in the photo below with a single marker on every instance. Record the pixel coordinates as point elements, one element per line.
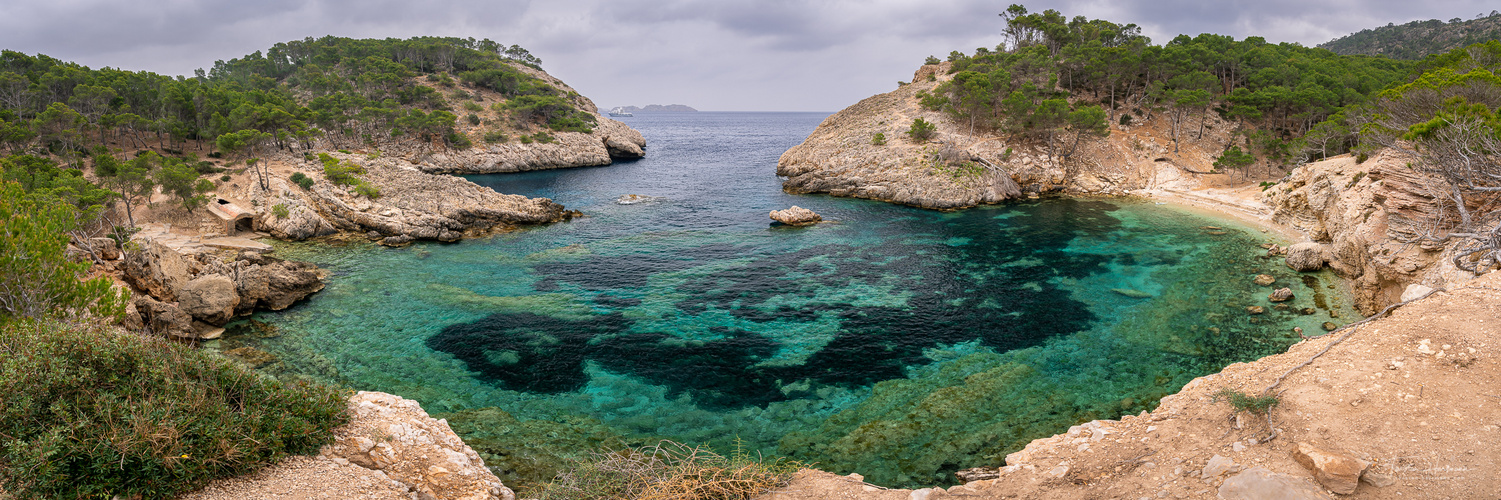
<point>1305,256</point>
<point>158,270</point>
<point>395,436</point>
<point>211,288</point>
<point>796,216</point>
<point>1338,472</point>
<point>210,298</point>
<point>163,318</point>
<point>1361,213</point>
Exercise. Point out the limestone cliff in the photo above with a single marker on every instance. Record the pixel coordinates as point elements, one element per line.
<point>842,157</point>
<point>1368,218</point>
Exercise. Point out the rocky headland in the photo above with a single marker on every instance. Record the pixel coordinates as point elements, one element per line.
<point>845,157</point>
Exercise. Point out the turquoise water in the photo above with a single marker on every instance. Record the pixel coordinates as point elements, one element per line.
<point>896,342</point>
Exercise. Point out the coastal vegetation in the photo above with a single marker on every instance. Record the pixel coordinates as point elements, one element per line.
<point>331,91</point>
<point>1055,80</point>
<point>1419,39</point>
<point>88,410</point>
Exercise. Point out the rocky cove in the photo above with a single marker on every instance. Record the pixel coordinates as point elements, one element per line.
<point>589,277</point>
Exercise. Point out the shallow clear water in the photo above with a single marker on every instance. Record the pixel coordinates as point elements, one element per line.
<point>897,342</point>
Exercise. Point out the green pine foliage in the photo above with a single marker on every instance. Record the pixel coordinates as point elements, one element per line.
<point>346,173</point>
<point>1418,39</point>
<point>1050,67</point>
<point>36,276</point>
<point>348,91</point>
<point>93,412</point>
<point>921,130</point>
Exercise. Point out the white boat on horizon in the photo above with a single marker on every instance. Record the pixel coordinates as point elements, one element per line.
<point>619,111</point>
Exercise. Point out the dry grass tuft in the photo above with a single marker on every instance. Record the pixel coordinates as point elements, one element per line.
<point>669,471</point>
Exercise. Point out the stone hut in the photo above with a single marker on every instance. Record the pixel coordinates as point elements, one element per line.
<point>233,218</point>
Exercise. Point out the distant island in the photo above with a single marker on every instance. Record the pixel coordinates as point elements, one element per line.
<point>658,108</point>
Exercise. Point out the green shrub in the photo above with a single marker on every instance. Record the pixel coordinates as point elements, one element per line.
<point>1255,405</point>
<point>543,137</point>
<point>36,276</point>
<point>472,118</point>
<point>921,130</point>
<point>879,139</point>
<point>458,140</point>
<point>93,412</point>
<point>280,211</point>
<point>495,136</point>
<point>345,173</point>
<point>1125,118</point>
<point>367,190</point>
<point>224,178</point>
<point>1234,158</point>
<point>473,107</point>
<point>301,180</point>
<point>526,139</point>
<point>669,470</point>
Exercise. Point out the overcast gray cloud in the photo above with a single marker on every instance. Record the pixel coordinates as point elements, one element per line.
<point>712,54</point>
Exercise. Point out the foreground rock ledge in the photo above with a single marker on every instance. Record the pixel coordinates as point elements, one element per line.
<point>390,449</point>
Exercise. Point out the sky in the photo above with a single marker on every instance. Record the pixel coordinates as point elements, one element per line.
<point>719,55</point>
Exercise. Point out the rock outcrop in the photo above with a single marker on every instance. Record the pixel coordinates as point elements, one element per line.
<point>863,152</point>
<point>394,436</point>
<point>796,216</point>
<point>1367,221</point>
<point>187,295</point>
<point>412,205</point>
<point>610,140</point>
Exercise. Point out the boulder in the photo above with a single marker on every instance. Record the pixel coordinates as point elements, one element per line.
<point>1265,279</point>
<point>1257,483</point>
<point>1305,256</point>
<point>105,248</point>
<point>1281,295</point>
<point>210,298</point>
<point>395,436</point>
<point>158,270</point>
<point>796,216</point>
<point>1338,472</point>
<point>1217,465</point>
<point>1255,309</point>
<point>1414,291</point>
<point>277,284</point>
<point>162,318</point>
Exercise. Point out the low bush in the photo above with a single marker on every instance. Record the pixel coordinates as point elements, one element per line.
<point>94,412</point>
<point>495,136</point>
<point>669,471</point>
<point>879,139</point>
<point>346,173</point>
<point>922,130</point>
<point>301,180</point>
<point>1255,405</point>
<point>280,211</point>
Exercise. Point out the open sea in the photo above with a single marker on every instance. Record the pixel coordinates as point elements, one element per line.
<point>896,342</point>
